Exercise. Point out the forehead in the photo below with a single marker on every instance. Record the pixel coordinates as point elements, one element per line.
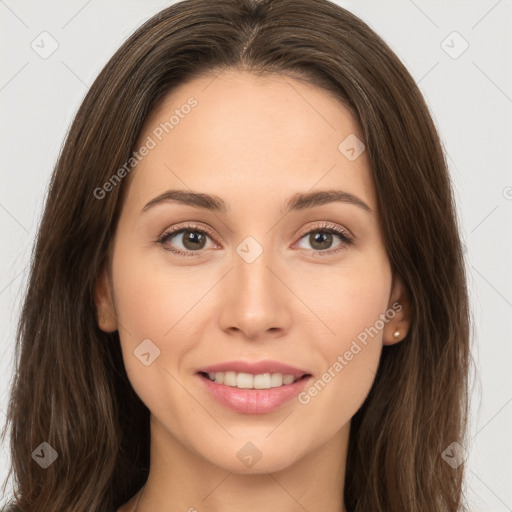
<point>236,132</point>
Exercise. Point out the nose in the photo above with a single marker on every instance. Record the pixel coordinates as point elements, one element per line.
<point>255,301</point>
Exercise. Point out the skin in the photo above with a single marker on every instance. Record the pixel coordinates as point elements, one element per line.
<point>255,142</point>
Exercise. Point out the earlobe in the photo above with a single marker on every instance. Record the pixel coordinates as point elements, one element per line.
<point>105,311</point>
<point>398,314</point>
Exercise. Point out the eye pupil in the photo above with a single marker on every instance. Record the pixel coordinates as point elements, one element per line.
<point>193,238</point>
<point>321,237</point>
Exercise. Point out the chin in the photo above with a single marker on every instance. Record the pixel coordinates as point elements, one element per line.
<point>253,455</point>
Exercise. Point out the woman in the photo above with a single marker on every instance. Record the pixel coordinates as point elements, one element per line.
<point>248,286</point>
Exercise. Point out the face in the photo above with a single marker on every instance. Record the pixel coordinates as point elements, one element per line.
<point>256,281</point>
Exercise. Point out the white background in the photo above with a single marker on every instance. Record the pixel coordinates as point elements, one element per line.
<point>470,98</point>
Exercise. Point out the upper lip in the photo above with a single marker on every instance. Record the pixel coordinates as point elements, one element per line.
<point>255,368</point>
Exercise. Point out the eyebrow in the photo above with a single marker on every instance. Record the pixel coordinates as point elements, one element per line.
<point>299,201</point>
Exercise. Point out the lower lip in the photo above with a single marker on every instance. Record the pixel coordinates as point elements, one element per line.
<point>253,401</point>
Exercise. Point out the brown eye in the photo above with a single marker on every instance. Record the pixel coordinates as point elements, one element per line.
<point>185,241</point>
<point>193,240</point>
<point>322,238</point>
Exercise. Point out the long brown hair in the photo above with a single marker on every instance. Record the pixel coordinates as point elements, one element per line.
<point>70,388</point>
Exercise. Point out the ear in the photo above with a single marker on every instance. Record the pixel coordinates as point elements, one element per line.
<point>105,311</point>
<point>399,314</point>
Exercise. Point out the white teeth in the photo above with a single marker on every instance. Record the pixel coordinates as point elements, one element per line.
<point>249,381</point>
<point>276,380</point>
<point>244,380</point>
<point>262,381</point>
<point>230,379</point>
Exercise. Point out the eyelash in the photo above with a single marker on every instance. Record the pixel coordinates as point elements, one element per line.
<point>325,227</point>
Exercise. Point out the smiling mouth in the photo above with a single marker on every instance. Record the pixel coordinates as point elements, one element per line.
<point>249,381</point>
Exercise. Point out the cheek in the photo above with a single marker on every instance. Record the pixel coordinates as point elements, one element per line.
<point>352,303</point>
<point>153,304</point>
<point>360,300</point>
<point>151,300</point>
<point>348,299</point>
